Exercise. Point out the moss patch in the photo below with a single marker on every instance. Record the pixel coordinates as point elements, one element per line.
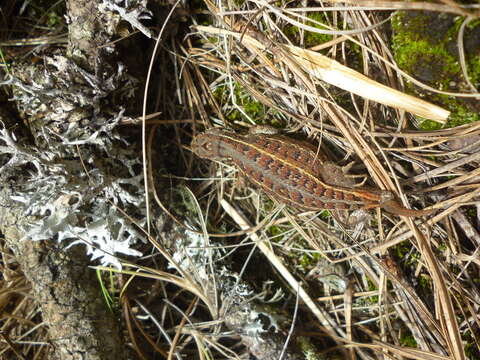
<point>310,38</point>
<point>425,46</point>
<point>247,107</point>
<point>408,340</point>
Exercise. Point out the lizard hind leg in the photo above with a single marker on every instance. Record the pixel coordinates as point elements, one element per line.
<point>347,174</point>
<point>332,174</point>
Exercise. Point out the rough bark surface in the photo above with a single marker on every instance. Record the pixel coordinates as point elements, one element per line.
<point>86,32</point>
<point>80,327</point>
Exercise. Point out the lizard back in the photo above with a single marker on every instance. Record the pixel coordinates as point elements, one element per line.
<point>286,169</point>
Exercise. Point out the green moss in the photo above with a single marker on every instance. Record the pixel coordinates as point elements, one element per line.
<point>52,13</point>
<point>429,53</point>
<point>473,65</point>
<point>471,348</point>
<point>308,348</point>
<point>418,53</point>
<point>371,286</point>
<point>238,3</point>
<point>254,109</point>
<point>462,116</point>
<point>471,351</point>
<point>54,19</point>
<point>184,203</point>
<point>325,214</point>
<point>200,10</point>
<point>310,38</point>
<point>424,281</point>
<point>46,13</point>
<point>472,56</point>
<point>307,261</point>
<point>274,230</point>
<point>429,125</point>
<point>403,252</point>
<point>472,212</point>
<point>408,340</point>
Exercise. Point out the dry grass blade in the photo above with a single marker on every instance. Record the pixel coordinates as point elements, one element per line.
<point>452,7</point>
<point>149,273</point>
<point>325,319</point>
<point>254,51</point>
<point>345,78</point>
<point>412,353</point>
<point>275,261</point>
<point>445,311</point>
<point>22,333</point>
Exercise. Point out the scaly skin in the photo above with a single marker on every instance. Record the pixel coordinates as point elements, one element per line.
<point>290,171</point>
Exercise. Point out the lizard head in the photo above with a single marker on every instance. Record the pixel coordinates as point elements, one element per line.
<point>208,145</point>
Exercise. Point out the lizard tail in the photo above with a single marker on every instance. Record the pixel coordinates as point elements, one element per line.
<point>393,207</point>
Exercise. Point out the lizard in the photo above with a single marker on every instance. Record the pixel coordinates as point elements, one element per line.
<point>291,172</point>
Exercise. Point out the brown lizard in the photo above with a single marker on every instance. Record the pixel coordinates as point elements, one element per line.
<point>290,171</point>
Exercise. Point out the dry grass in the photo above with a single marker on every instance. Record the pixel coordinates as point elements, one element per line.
<point>22,329</point>
<point>410,286</point>
<point>252,47</point>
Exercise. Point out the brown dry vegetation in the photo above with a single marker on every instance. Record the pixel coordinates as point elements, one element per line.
<point>228,272</point>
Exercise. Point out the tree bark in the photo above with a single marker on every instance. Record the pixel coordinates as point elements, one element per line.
<point>80,326</point>
<point>67,290</point>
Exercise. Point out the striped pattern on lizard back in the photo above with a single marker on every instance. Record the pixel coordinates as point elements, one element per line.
<point>287,170</point>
